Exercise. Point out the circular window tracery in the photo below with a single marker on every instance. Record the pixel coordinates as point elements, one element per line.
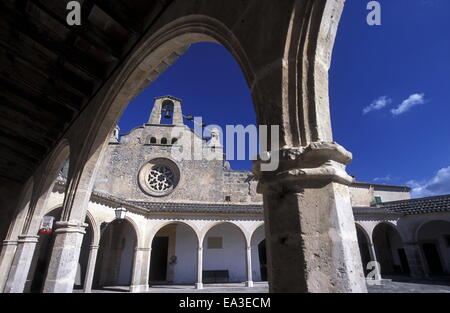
<point>159,177</point>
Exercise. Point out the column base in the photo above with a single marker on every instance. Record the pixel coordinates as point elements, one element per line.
<point>198,285</point>
<point>249,283</point>
<point>139,288</point>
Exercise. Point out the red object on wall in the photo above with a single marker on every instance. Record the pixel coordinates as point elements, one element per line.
<point>45,231</point>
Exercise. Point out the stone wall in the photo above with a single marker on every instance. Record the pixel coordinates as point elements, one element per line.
<point>202,176</point>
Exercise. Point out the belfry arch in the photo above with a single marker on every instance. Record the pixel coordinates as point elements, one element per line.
<point>285,59</point>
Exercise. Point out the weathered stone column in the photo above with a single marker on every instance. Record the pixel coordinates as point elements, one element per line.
<point>90,268</point>
<point>249,282</point>
<point>415,262</point>
<point>310,230</point>
<point>21,264</point>
<point>65,256</point>
<point>6,260</point>
<point>199,283</point>
<point>141,267</point>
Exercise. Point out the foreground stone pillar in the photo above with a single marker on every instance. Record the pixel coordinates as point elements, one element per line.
<point>415,262</point>
<point>65,256</point>
<point>310,230</point>
<point>141,267</point>
<point>249,282</point>
<point>90,268</point>
<point>6,259</point>
<point>21,264</point>
<point>199,283</point>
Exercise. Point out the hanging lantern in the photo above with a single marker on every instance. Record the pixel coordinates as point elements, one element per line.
<point>120,213</point>
<point>46,225</point>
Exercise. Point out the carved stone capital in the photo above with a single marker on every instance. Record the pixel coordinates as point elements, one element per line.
<point>70,227</point>
<point>315,165</point>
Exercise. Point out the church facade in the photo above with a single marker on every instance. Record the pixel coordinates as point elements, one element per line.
<point>154,218</point>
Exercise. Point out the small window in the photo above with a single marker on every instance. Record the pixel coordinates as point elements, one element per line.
<point>174,140</point>
<point>153,140</point>
<point>377,200</point>
<point>164,141</point>
<point>214,243</point>
<point>228,198</point>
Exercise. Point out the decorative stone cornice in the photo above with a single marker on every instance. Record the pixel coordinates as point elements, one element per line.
<point>301,167</point>
<point>28,239</point>
<point>9,243</point>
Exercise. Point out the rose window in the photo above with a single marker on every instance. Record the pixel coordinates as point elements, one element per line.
<point>160,178</point>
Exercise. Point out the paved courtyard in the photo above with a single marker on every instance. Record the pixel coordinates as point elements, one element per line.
<point>396,285</point>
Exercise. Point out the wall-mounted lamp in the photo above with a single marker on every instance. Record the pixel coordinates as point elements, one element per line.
<point>120,213</point>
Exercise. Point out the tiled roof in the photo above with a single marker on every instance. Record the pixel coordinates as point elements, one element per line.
<point>402,207</point>
<point>373,211</point>
<point>419,206</point>
<point>201,207</point>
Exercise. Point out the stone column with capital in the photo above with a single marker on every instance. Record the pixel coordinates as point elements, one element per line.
<point>21,264</point>
<point>6,259</point>
<point>65,256</point>
<point>199,283</point>
<point>249,282</point>
<point>90,268</point>
<point>141,270</point>
<point>310,232</point>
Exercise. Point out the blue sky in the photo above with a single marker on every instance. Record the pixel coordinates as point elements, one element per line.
<point>389,93</point>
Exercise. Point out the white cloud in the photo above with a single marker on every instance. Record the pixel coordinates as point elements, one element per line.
<point>377,104</point>
<point>386,178</point>
<point>406,105</point>
<point>438,185</point>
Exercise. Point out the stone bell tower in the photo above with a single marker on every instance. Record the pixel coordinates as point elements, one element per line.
<point>166,106</point>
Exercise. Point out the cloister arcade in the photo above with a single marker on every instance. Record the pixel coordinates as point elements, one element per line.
<point>308,221</point>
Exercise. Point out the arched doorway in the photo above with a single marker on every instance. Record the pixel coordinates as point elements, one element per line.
<point>259,257</point>
<point>115,255</point>
<point>224,254</point>
<point>389,250</point>
<point>434,241</point>
<point>174,255</point>
<point>262,257</point>
<point>43,251</point>
<point>364,248</point>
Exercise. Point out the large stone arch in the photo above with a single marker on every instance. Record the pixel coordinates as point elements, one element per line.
<point>43,182</point>
<point>432,237</point>
<point>110,269</point>
<point>159,226</point>
<point>258,253</point>
<point>389,248</point>
<point>211,225</point>
<point>365,249</point>
<point>286,68</point>
<point>226,262</point>
<point>181,256</point>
